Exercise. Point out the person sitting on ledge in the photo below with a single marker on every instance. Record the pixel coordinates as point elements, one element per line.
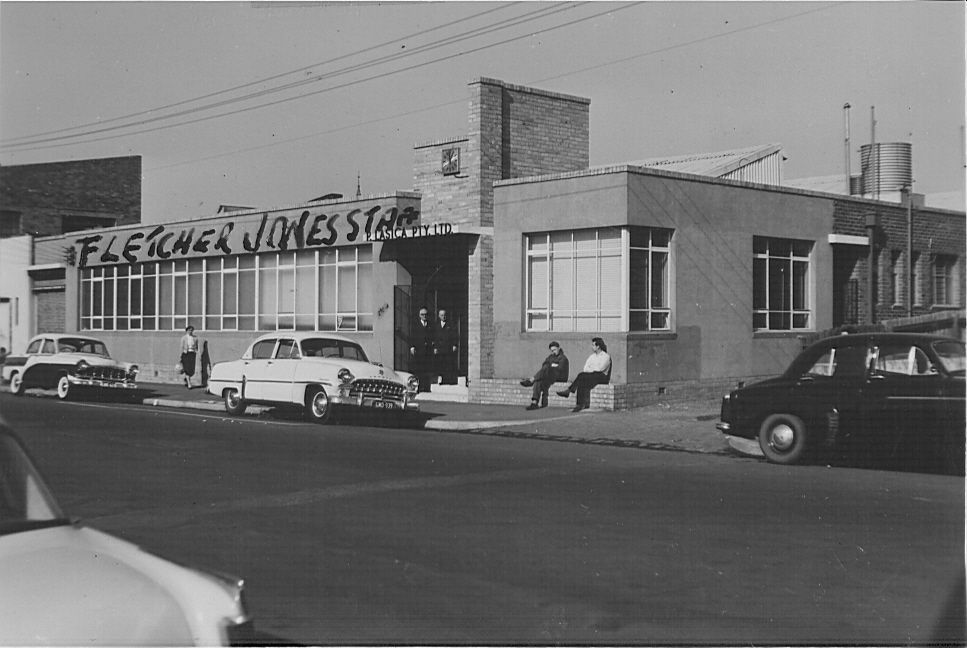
<point>554,369</point>
<point>597,371</point>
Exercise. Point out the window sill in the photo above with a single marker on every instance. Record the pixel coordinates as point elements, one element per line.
<point>764,335</point>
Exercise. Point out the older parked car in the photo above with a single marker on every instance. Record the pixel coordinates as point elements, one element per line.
<point>67,584</point>
<point>314,371</point>
<point>898,395</point>
<point>68,362</point>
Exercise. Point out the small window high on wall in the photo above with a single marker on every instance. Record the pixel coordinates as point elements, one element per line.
<point>605,279</point>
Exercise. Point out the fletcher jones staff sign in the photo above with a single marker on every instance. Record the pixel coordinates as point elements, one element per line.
<point>254,233</point>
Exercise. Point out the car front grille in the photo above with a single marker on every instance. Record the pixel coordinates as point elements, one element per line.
<point>103,373</point>
<point>372,388</point>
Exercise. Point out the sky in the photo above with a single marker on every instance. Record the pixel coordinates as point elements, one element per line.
<point>269,104</point>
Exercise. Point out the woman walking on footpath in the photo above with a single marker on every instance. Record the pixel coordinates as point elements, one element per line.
<point>189,349</point>
<point>597,371</point>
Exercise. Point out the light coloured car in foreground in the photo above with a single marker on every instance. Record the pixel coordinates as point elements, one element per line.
<point>62,583</point>
<point>69,362</point>
<point>314,371</point>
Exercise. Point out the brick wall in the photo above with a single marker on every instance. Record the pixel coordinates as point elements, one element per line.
<point>89,190</point>
<point>611,397</point>
<point>935,232</point>
<point>514,132</point>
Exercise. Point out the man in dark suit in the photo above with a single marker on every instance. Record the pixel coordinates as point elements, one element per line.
<point>421,349</point>
<point>445,337</point>
<point>554,369</point>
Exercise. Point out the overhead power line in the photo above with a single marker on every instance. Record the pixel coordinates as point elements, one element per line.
<point>256,82</point>
<point>540,13</point>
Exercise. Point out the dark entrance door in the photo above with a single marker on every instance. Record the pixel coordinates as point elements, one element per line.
<point>438,269</point>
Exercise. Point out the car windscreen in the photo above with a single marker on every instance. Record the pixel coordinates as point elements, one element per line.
<point>951,353</point>
<point>327,348</point>
<point>82,345</point>
<point>25,502</point>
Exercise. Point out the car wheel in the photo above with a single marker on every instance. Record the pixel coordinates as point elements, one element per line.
<point>233,402</point>
<point>782,438</point>
<point>318,407</point>
<point>64,388</point>
<point>16,384</point>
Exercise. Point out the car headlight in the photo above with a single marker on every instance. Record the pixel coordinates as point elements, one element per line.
<point>82,366</point>
<point>412,383</point>
<point>345,375</point>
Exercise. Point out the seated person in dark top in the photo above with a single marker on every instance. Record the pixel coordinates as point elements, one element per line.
<point>554,369</point>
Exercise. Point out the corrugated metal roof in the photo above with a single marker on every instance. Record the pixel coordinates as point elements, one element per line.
<point>716,164</point>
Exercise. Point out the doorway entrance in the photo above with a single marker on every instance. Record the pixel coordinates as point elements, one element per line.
<point>438,269</point>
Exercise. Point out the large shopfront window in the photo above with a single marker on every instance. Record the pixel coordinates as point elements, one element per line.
<point>310,290</point>
<point>607,279</point>
<point>781,284</point>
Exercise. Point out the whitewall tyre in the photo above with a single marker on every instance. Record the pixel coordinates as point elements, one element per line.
<point>233,402</point>
<point>318,407</point>
<point>64,388</point>
<point>16,384</point>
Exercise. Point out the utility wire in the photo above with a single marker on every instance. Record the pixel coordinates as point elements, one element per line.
<point>459,101</point>
<point>540,13</point>
<point>259,81</point>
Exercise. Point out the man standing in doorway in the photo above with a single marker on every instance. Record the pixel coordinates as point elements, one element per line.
<point>421,349</point>
<point>445,338</point>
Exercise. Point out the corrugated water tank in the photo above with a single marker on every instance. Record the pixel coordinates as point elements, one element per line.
<point>886,166</point>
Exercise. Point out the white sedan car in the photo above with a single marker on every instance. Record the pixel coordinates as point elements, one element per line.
<point>312,370</point>
<point>62,583</point>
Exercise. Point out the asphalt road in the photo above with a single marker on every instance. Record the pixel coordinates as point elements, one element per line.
<point>356,534</point>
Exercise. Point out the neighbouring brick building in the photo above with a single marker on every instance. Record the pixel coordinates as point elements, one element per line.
<point>50,199</point>
<point>695,281</point>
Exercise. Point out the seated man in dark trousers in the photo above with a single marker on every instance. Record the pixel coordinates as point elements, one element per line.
<point>554,369</point>
<point>597,371</point>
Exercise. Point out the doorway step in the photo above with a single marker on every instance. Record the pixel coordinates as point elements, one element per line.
<point>453,393</point>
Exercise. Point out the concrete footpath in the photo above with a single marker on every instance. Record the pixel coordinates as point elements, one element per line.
<point>683,426</point>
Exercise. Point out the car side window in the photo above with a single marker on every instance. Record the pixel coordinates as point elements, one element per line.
<point>262,350</point>
<point>851,361</point>
<point>49,347</point>
<point>287,349</point>
<point>902,359</point>
<point>825,365</point>
<point>34,347</point>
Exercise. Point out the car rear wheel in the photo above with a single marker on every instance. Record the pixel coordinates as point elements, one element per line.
<point>234,404</point>
<point>64,388</point>
<point>782,438</point>
<point>16,384</point>
<point>318,407</point>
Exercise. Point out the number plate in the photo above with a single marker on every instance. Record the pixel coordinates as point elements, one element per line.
<point>383,404</point>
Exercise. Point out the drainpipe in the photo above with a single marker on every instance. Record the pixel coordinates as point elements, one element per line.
<point>911,288</point>
<point>871,288</point>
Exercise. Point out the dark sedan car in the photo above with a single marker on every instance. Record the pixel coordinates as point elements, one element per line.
<point>882,395</point>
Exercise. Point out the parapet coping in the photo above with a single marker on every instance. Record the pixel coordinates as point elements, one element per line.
<point>529,90</point>
<point>448,140</point>
<point>652,171</point>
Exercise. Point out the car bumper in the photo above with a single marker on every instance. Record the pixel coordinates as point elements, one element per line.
<point>80,381</point>
<point>407,404</point>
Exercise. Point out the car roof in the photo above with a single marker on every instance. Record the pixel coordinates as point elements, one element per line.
<point>853,339</point>
<point>302,335</point>
<point>58,336</point>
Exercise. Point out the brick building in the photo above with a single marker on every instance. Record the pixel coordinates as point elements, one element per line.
<point>696,282</point>
<point>50,199</point>
<point>61,197</point>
